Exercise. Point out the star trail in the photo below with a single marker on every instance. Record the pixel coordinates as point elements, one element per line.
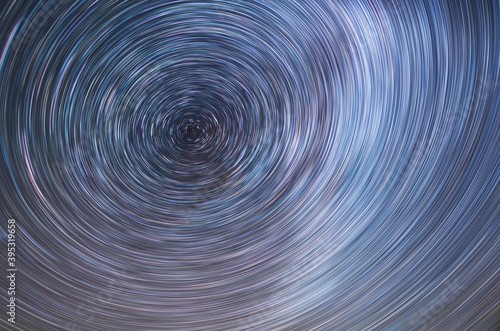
<point>251,165</point>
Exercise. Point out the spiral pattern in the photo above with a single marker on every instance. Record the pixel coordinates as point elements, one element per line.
<point>263,165</point>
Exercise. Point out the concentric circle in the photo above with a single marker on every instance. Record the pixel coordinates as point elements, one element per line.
<point>264,165</point>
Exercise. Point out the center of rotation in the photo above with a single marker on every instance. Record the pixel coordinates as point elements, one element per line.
<point>192,132</point>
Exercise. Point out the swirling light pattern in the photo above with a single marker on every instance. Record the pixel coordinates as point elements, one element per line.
<point>264,165</point>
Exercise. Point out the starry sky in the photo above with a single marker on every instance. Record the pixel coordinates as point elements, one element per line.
<point>251,165</point>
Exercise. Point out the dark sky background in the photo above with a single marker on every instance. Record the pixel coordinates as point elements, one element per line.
<point>251,165</point>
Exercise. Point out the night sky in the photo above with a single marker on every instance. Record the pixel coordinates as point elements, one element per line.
<point>251,165</point>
